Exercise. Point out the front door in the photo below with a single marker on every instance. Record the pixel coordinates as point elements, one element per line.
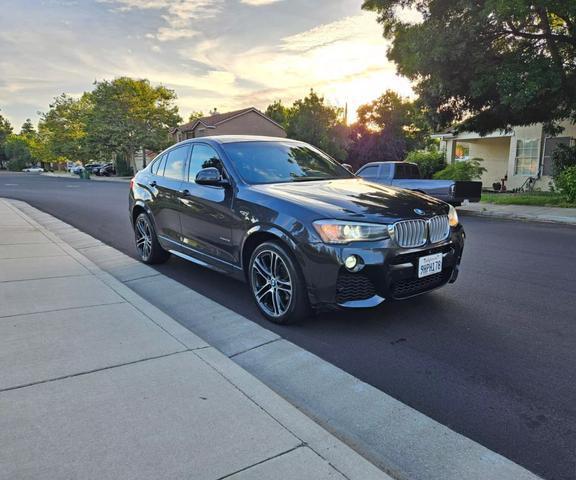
<point>166,186</point>
<point>206,211</point>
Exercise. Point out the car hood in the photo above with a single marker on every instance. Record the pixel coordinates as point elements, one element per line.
<point>356,199</point>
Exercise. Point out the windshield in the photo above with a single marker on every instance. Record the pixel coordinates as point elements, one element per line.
<point>279,162</point>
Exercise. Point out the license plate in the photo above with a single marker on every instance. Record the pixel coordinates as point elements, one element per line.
<point>429,265</point>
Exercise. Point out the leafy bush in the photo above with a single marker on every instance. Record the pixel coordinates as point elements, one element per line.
<point>429,162</point>
<point>564,156</point>
<point>566,183</point>
<point>464,170</point>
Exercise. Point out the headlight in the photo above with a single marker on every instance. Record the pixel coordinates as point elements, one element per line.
<point>335,231</point>
<point>453,217</point>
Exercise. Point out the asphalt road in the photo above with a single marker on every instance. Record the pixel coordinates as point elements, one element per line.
<point>493,356</point>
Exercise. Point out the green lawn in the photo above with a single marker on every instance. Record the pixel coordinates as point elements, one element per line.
<point>540,199</point>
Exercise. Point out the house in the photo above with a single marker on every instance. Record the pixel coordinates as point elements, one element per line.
<point>520,154</point>
<point>248,121</point>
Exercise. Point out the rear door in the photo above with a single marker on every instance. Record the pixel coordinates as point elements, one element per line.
<point>165,186</point>
<point>206,211</point>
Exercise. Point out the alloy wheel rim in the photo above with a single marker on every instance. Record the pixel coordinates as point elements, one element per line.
<point>271,283</point>
<point>143,238</point>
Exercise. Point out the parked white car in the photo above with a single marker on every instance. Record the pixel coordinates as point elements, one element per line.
<point>33,169</point>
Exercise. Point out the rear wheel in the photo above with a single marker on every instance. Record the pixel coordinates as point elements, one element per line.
<point>149,249</point>
<point>277,284</point>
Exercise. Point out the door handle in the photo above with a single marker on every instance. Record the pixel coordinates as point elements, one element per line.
<point>152,183</point>
<point>185,192</point>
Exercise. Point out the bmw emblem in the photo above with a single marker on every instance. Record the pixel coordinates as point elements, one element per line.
<point>419,211</point>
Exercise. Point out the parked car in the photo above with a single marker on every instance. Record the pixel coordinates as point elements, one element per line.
<point>407,175</point>
<point>77,169</point>
<point>302,230</point>
<point>107,170</point>
<point>93,167</point>
<point>33,169</point>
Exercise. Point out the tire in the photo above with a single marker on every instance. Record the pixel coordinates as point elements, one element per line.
<point>277,284</point>
<point>147,245</point>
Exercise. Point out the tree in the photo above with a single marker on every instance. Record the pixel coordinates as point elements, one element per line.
<point>314,121</point>
<point>17,151</point>
<point>195,115</point>
<point>129,114</point>
<point>28,129</point>
<point>5,131</point>
<point>386,129</point>
<point>62,129</point>
<point>487,64</point>
<point>278,112</point>
<point>429,161</point>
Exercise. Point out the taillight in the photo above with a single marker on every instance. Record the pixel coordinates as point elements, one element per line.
<point>131,183</point>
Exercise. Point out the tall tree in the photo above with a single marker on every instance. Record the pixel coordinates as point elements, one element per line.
<point>63,128</point>
<point>5,131</point>
<point>278,112</point>
<point>387,129</point>
<point>27,128</point>
<point>313,120</point>
<point>487,64</point>
<point>129,114</point>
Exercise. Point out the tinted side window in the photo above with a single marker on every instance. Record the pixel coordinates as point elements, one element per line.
<point>385,170</point>
<point>369,172</point>
<point>176,162</point>
<point>158,165</point>
<point>203,156</point>
<point>406,171</point>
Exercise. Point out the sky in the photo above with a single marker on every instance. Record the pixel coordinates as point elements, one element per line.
<point>224,54</point>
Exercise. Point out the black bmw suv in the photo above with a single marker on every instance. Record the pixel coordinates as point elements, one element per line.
<point>303,231</point>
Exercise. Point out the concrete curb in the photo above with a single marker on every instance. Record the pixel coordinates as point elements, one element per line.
<point>340,456</point>
<point>92,177</point>
<point>398,439</point>
<point>558,220</point>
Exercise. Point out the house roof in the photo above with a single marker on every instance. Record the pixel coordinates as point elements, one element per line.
<point>218,118</point>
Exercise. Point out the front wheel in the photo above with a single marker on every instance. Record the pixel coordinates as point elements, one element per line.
<point>149,249</point>
<point>277,284</point>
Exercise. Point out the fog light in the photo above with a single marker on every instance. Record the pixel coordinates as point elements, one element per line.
<point>351,262</point>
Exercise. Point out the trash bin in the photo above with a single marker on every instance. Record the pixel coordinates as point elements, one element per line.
<point>85,174</point>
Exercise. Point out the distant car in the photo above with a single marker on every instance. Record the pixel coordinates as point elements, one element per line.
<point>77,170</point>
<point>407,175</point>
<point>107,170</point>
<point>33,169</point>
<point>93,167</point>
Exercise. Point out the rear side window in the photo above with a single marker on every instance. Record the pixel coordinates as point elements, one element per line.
<point>176,162</point>
<point>157,167</point>
<point>369,172</point>
<point>406,171</point>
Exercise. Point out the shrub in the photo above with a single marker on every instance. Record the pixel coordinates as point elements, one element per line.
<point>464,170</point>
<point>564,156</point>
<point>429,162</point>
<point>566,183</point>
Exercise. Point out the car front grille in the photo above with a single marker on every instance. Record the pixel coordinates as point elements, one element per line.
<point>438,228</point>
<point>410,233</point>
<point>407,288</point>
<point>416,233</point>
<point>353,286</point>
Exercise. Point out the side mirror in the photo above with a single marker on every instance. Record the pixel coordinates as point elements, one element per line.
<point>348,167</point>
<point>210,176</point>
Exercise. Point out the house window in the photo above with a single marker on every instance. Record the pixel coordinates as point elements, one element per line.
<point>527,157</point>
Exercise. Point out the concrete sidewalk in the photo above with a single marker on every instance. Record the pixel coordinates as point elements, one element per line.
<point>565,216</point>
<point>97,383</point>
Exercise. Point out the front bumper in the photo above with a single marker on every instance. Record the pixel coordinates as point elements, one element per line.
<point>389,272</point>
